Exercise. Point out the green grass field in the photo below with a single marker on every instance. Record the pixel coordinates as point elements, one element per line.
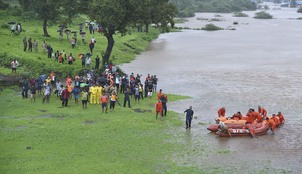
<point>45,138</point>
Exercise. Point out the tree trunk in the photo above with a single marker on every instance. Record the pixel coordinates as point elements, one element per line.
<point>147,26</point>
<point>45,28</point>
<point>110,43</point>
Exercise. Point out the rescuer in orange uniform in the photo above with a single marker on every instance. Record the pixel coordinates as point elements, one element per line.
<point>221,112</point>
<point>271,124</point>
<point>159,109</point>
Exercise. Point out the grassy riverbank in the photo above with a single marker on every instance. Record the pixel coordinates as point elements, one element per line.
<point>31,63</point>
<point>45,138</point>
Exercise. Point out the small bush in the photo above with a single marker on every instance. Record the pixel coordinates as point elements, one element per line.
<point>211,27</point>
<point>263,15</point>
<point>240,14</point>
<point>5,26</point>
<point>299,18</point>
<point>299,10</point>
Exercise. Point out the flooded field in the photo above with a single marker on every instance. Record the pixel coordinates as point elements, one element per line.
<point>259,63</point>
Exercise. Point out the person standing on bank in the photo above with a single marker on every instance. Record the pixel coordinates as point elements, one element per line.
<point>189,115</point>
<point>14,65</point>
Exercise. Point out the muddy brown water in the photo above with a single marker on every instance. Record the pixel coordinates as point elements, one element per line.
<point>259,63</point>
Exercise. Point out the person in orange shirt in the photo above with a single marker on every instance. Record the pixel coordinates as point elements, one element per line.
<point>271,124</point>
<point>237,116</point>
<point>159,94</point>
<point>159,109</point>
<point>250,117</point>
<point>276,120</point>
<point>257,117</point>
<point>281,118</point>
<point>221,112</point>
<point>262,111</point>
<point>104,100</point>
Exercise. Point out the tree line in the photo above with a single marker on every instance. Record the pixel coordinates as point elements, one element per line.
<point>187,8</point>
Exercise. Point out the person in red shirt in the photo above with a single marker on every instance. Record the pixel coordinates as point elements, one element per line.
<point>104,100</point>
<point>221,112</point>
<point>281,118</point>
<point>271,124</point>
<point>159,109</point>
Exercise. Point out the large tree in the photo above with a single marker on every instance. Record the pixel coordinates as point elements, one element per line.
<point>51,10</point>
<point>117,15</point>
<point>45,9</point>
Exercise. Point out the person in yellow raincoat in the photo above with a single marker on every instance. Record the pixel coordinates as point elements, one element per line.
<point>99,93</point>
<point>93,94</point>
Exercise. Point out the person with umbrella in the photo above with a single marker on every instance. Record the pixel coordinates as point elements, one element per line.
<point>12,27</point>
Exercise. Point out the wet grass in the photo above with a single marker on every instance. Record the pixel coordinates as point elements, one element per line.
<point>45,138</point>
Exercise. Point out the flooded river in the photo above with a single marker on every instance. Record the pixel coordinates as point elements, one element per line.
<point>259,63</point>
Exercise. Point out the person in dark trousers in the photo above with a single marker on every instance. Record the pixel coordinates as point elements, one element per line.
<point>164,100</point>
<point>25,44</point>
<point>126,97</point>
<point>64,97</point>
<point>49,51</point>
<point>189,115</point>
<point>97,62</point>
<point>25,88</point>
<point>30,45</point>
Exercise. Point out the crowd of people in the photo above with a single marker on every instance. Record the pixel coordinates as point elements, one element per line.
<point>251,117</point>
<point>103,89</point>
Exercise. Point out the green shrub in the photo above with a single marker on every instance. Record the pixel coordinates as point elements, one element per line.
<point>299,10</point>
<point>211,27</point>
<point>240,14</point>
<point>3,5</point>
<point>263,15</point>
<point>5,26</point>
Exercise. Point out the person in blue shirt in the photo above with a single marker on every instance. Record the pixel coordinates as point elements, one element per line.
<point>76,92</point>
<point>189,115</point>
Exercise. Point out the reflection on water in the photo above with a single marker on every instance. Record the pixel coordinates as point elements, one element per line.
<point>257,64</point>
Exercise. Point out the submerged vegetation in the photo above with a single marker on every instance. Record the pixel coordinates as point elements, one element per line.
<point>211,27</point>
<point>240,14</point>
<point>263,15</point>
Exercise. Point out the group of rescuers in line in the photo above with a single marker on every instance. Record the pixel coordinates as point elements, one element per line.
<point>252,117</point>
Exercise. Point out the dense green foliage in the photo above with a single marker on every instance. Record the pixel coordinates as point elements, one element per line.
<point>263,15</point>
<point>187,8</point>
<point>3,5</point>
<point>240,14</point>
<point>211,27</point>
